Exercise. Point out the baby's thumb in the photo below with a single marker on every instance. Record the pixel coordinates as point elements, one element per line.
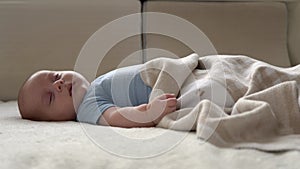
<point>166,96</point>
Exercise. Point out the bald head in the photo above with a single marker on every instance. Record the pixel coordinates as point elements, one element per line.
<point>27,111</point>
<point>47,95</point>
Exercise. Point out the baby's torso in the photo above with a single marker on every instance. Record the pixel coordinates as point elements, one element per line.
<point>122,88</point>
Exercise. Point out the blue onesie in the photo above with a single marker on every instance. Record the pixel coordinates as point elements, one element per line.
<point>121,87</point>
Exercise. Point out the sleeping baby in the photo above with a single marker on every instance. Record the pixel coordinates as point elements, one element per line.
<point>58,95</point>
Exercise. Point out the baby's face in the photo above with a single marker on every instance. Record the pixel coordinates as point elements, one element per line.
<point>52,95</point>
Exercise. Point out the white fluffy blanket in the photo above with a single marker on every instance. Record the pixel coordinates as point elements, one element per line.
<point>265,114</point>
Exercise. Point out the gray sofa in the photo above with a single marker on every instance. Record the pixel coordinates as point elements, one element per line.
<point>50,34</point>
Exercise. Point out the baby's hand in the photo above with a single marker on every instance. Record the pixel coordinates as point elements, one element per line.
<point>161,106</point>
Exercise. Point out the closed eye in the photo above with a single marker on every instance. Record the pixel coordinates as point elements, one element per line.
<point>51,97</point>
<point>56,77</point>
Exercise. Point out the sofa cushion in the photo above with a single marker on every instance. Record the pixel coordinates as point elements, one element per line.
<point>293,32</point>
<point>255,29</point>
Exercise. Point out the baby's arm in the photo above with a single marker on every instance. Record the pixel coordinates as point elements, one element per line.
<point>145,115</point>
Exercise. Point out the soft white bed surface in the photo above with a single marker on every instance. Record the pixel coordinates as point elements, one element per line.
<point>28,144</point>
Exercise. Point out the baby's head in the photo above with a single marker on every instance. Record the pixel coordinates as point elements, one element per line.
<point>52,95</point>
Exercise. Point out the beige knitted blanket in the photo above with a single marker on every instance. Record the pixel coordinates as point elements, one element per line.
<point>265,115</point>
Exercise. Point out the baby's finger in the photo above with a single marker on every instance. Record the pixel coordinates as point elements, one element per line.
<point>171,109</point>
<point>167,95</point>
<point>170,95</point>
<point>171,102</point>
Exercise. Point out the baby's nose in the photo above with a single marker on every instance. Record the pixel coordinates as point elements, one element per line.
<point>58,85</point>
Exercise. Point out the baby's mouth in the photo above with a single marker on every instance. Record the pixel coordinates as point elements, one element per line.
<point>70,90</point>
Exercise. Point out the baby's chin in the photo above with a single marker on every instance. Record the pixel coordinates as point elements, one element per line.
<point>79,90</point>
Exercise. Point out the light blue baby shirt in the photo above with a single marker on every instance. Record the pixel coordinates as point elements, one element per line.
<point>122,88</point>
